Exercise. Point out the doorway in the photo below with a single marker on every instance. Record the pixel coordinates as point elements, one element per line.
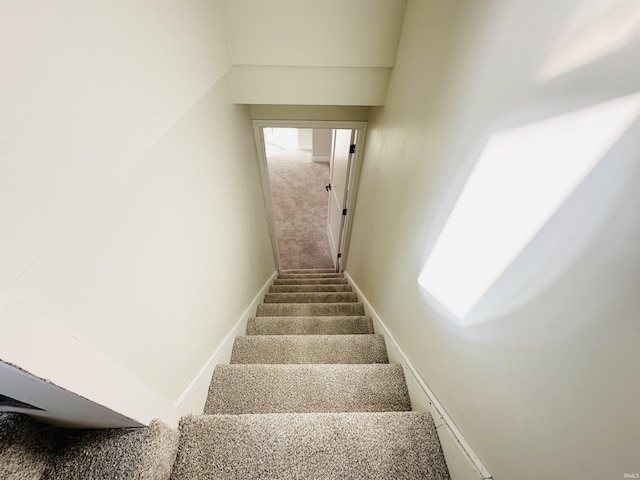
<point>309,174</point>
<point>297,179</point>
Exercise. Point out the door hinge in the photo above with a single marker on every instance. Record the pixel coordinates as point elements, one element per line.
<point>344,211</point>
<point>352,148</point>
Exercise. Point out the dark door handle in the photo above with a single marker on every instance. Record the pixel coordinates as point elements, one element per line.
<point>328,187</point>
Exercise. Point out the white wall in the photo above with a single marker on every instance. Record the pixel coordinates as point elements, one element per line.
<point>547,386</point>
<point>87,88</point>
<point>309,85</point>
<point>305,138</point>
<point>309,112</point>
<point>322,139</point>
<point>308,52</point>
<point>133,225</point>
<point>362,33</point>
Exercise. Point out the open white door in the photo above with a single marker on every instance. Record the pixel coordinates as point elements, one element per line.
<point>341,156</point>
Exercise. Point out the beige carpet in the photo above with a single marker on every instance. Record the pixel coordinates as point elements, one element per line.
<point>309,406</point>
<point>30,450</point>
<point>300,209</point>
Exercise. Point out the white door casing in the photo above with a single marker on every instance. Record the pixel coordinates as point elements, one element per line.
<point>339,181</point>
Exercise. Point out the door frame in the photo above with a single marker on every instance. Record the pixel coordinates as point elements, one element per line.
<point>352,181</point>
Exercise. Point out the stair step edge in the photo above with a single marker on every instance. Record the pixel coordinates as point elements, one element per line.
<point>345,445</point>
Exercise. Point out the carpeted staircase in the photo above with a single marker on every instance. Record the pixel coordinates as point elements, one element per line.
<point>309,394</point>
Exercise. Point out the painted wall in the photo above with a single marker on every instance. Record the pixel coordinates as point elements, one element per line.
<point>322,140</point>
<point>133,227</point>
<point>546,385</point>
<point>309,112</point>
<point>305,138</point>
<point>309,85</point>
<point>309,52</point>
<point>362,33</point>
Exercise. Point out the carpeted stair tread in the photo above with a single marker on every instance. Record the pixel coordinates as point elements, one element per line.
<point>309,325</point>
<point>297,276</point>
<point>311,297</point>
<point>238,389</point>
<point>126,454</point>
<point>309,309</point>
<point>319,446</point>
<point>309,288</point>
<point>309,270</point>
<point>26,446</point>
<point>310,281</point>
<point>280,349</point>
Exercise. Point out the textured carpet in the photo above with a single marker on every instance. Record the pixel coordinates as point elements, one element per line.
<point>309,394</point>
<point>30,450</point>
<point>310,297</point>
<point>309,325</point>
<point>309,309</point>
<point>301,275</point>
<point>26,447</point>
<point>306,270</point>
<point>319,446</point>
<point>118,454</point>
<point>310,281</point>
<point>300,205</point>
<point>309,288</point>
<point>237,389</point>
<point>309,349</point>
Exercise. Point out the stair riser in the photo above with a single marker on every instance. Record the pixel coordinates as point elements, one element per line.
<point>298,349</point>
<point>309,325</point>
<point>243,389</point>
<point>309,288</point>
<point>283,276</point>
<point>309,309</point>
<point>308,271</point>
<point>311,281</point>
<point>311,297</point>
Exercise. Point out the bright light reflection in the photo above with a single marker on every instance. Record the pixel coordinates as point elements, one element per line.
<point>596,29</point>
<point>521,178</point>
<point>278,139</point>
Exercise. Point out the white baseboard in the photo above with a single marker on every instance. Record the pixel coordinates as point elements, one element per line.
<point>463,462</point>
<point>193,398</point>
<point>321,159</point>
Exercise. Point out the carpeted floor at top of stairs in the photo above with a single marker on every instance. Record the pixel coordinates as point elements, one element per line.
<point>300,202</point>
<point>309,394</point>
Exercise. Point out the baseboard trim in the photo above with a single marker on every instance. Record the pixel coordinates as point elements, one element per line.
<point>194,396</point>
<point>461,458</point>
<point>321,159</point>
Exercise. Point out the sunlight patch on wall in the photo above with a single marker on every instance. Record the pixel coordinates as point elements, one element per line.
<point>521,178</point>
<point>596,30</point>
